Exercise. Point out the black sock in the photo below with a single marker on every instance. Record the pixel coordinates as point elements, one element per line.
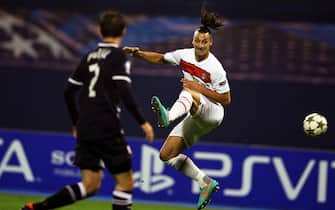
<point>65,196</point>
<point>122,200</point>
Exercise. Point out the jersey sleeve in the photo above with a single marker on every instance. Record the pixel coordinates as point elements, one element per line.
<point>173,57</point>
<point>129,101</point>
<point>74,83</point>
<point>220,81</point>
<point>70,101</point>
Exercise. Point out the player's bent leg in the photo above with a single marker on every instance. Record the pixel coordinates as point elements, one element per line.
<point>181,106</point>
<point>162,112</point>
<point>206,193</point>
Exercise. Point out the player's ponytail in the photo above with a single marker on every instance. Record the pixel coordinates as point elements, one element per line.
<point>209,20</point>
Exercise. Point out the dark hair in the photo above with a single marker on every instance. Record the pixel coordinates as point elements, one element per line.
<point>111,23</point>
<point>209,20</point>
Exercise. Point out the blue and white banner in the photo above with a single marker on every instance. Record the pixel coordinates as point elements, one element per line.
<point>249,176</point>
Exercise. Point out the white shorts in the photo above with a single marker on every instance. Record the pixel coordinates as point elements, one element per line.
<point>192,127</point>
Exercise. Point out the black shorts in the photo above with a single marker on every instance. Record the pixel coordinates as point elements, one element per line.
<point>115,154</point>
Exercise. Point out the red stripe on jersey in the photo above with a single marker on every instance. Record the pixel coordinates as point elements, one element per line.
<point>195,71</point>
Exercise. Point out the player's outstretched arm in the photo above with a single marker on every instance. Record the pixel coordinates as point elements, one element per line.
<point>151,57</point>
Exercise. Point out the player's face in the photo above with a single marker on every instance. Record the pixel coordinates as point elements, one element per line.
<point>202,43</point>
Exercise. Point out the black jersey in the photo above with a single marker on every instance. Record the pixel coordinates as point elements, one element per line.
<point>103,76</point>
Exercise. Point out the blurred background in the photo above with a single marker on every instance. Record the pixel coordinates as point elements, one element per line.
<point>279,57</point>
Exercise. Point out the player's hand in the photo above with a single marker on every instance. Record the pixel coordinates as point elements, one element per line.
<point>192,85</point>
<point>148,131</point>
<point>131,50</point>
<point>74,132</point>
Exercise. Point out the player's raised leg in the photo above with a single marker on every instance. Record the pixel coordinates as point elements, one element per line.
<point>181,106</point>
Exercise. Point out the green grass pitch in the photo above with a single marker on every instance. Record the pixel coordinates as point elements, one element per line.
<point>15,202</point>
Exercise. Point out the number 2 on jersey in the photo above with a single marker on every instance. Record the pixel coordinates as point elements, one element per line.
<point>96,70</point>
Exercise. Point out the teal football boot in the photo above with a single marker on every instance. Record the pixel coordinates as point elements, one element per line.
<point>162,112</point>
<point>206,194</point>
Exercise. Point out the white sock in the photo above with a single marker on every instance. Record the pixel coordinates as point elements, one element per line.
<point>82,189</point>
<point>186,166</point>
<point>181,106</point>
<point>122,200</point>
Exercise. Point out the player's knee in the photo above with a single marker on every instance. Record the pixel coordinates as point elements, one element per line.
<point>165,156</point>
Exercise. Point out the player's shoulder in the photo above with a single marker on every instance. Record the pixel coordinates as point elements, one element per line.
<point>214,59</point>
<point>185,51</point>
<point>216,65</point>
<point>116,52</point>
<point>86,54</point>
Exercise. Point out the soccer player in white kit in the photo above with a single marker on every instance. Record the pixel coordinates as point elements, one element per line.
<point>205,92</point>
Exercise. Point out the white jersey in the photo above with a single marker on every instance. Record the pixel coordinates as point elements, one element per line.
<point>208,72</point>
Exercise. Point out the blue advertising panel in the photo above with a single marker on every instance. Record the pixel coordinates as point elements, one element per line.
<point>249,176</point>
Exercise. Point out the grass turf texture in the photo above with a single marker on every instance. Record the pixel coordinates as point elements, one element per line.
<point>15,202</point>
